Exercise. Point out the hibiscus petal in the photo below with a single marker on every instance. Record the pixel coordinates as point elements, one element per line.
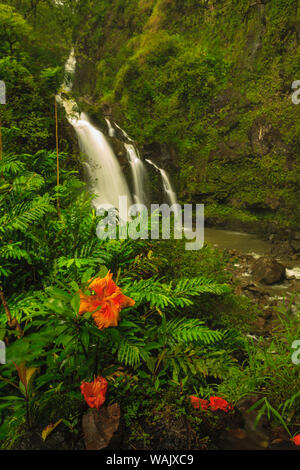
<point>123,300</point>
<point>94,392</point>
<point>88,303</point>
<point>109,297</point>
<point>109,315</point>
<point>98,285</point>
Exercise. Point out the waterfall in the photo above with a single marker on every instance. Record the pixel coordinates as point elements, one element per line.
<point>111,131</point>
<point>69,71</point>
<point>87,171</point>
<point>102,169</point>
<point>166,183</point>
<point>108,181</point>
<point>63,97</point>
<point>138,173</point>
<point>106,178</point>
<point>124,133</point>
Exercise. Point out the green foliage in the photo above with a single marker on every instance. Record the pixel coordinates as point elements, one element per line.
<point>161,295</point>
<point>13,28</point>
<point>211,81</point>
<point>185,75</point>
<point>269,369</point>
<point>29,232</point>
<point>47,257</point>
<point>34,42</point>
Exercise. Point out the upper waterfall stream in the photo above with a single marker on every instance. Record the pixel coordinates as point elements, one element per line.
<point>105,177</point>
<point>166,183</point>
<point>138,173</point>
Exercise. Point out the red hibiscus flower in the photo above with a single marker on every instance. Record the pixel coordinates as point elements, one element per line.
<point>94,392</point>
<point>198,403</point>
<point>296,440</point>
<point>217,403</point>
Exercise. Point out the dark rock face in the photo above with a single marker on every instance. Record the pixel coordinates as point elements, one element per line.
<point>295,244</point>
<point>100,428</point>
<point>268,271</point>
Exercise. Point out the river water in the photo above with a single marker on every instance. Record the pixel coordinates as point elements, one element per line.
<point>244,243</point>
<point>247,244</point>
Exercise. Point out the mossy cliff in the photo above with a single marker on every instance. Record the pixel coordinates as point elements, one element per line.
<point>207,83</point>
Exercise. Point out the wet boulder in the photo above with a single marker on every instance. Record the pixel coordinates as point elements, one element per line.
<point>268,271</point>
<point>100,428</point>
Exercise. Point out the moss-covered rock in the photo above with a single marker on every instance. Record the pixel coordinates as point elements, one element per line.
<point>211,81</point>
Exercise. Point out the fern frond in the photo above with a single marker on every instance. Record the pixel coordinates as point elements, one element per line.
<point>26,214</point>
<point>10,165</point>
<point>191,330</point>
<point>161,295</point>
<point>199,285</point>
<point>130,353</point>
<point>152,292</point>
<point>14,251</point>
<point>28,183</point>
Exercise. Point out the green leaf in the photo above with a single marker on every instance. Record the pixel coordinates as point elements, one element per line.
<point>75,303</point>
<point>74,286</point>
<point>102,271</point>
<point>157,383</point>
<point>85,338</point>
<point>127,324</point>
<point>88,274</point>
<point>11,398</point>
<point>59,294</point>
<point>2,333</point>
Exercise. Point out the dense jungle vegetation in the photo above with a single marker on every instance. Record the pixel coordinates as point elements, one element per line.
<point>209,84</point>
<point>167,334</point>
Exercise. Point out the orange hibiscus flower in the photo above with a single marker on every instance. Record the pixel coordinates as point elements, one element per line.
<point>94,392</point>
<point>109,297</point>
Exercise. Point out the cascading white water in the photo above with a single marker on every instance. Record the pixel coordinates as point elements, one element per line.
<point>69,71</point>
<point>62,98</point>
<point>168,188</point>
<point>111,131</point>
<point>108,182</point>
<point>166,183</point>
<point>138,173</point>
<point>124,133</point>
<point>87,171</point>
<point>105,177</point>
